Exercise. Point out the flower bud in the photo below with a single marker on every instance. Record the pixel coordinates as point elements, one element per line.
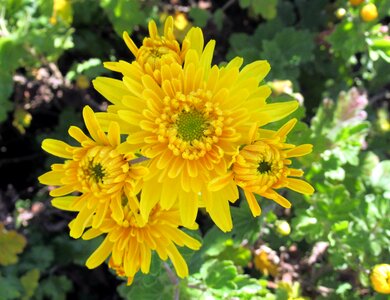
<point>282,227</point>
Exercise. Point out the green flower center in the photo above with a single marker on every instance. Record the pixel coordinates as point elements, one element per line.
<point>96,172</point>
<point>191,125</point>
<point>264,167</point>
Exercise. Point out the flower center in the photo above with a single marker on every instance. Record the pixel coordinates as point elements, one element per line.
<point>191,125</point>
<point>258,169</point>
<point>96,172</point>
<point>264,167</point>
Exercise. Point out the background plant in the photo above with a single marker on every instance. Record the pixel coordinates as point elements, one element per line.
<point>51,50</point>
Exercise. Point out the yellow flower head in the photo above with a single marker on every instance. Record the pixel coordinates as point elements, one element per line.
<point>380,278</point>
<point>96,169</point>
<point>190,127</point>
<point>266,261</point>
<point>157,51</point>
<point>263,166</point>
<point>131,242</point>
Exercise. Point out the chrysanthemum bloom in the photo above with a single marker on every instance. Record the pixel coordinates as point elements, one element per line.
<point>155,52</point>
<point>191,125</point>
<point>380,278</point>
<point>263,167</point>
<point>96,169</point>
<point>131,242</point>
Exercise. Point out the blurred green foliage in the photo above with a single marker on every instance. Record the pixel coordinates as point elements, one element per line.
<point>316,56</point>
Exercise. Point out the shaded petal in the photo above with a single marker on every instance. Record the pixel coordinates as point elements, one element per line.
<point>100,254</point>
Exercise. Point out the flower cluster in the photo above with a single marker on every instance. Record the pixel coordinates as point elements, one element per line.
<point>180,134</point>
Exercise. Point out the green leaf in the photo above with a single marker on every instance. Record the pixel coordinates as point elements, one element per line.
<point>219,274</point>
<point>340,226</point>
<point>29,282</point>
<point>380,176</point>
<point>40,256</point>
<point>347,39</point>
<point>158,287</point>
<point>289,49</point>
<point>214,242</point>
<point>54,287</point>
<point>244,3</point>
<point>235,252</point>
<point>6,86</point>
<point>218,18</point>
<point>265,8</point>
<point>11,244</point>
<point>9,288</point>
<point>10,53</point>
<point>245,225</point>
<point>124,15</point>
<point>91,68</point>
<point>312,14</point>
<point>200,16</point>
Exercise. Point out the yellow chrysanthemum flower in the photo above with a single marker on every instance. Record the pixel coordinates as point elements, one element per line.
<point>266,261</point>
<point>190,127</point>
<point>155,52</point>
<point>131,242</point>
<point>96,169</point>
<point>380,278</point>
<point>263,166</point>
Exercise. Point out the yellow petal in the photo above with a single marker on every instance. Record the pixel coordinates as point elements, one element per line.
<point>220,212</point>
<point>111,89</point>
<point>57,148</point>
<point>252,202</point>
<point>64,203</point>
<point>169,194</point>
<point>91,233</point>
<point>286,128</point>
<point>100,254</point>
<point>114,137</point>
<point>153,29</point>
<point>188,207</point>
<point>116,208</point>
<point>277,111</point>
<point>258,69</point>
<point>80,222</point>
<point>219,183</point>
<point>62,191</point>
<point>299,186</point>
<point>271,194</point>
<point>300,150</point>
<point>149,197</point>
<point>146,256</point>
<point>93,126</point>
<point>168,26</point>
<point>130,44</point>
<point>101,212</point>
<point>51,178</point>
<point>178,261</point>
<point>195,39</point>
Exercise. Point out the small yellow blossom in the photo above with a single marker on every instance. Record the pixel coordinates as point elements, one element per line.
<point>263,167</point>
<point>95,169</point>
<point>380,278</point>
<point>266,261</point>
<point>62,9</point>
<point>130,243</point>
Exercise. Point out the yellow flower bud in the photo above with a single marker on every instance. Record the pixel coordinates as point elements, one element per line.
<point>380,278</point>
<point>340,13</point>
<point>282,227</point>
<point>369,12</point>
